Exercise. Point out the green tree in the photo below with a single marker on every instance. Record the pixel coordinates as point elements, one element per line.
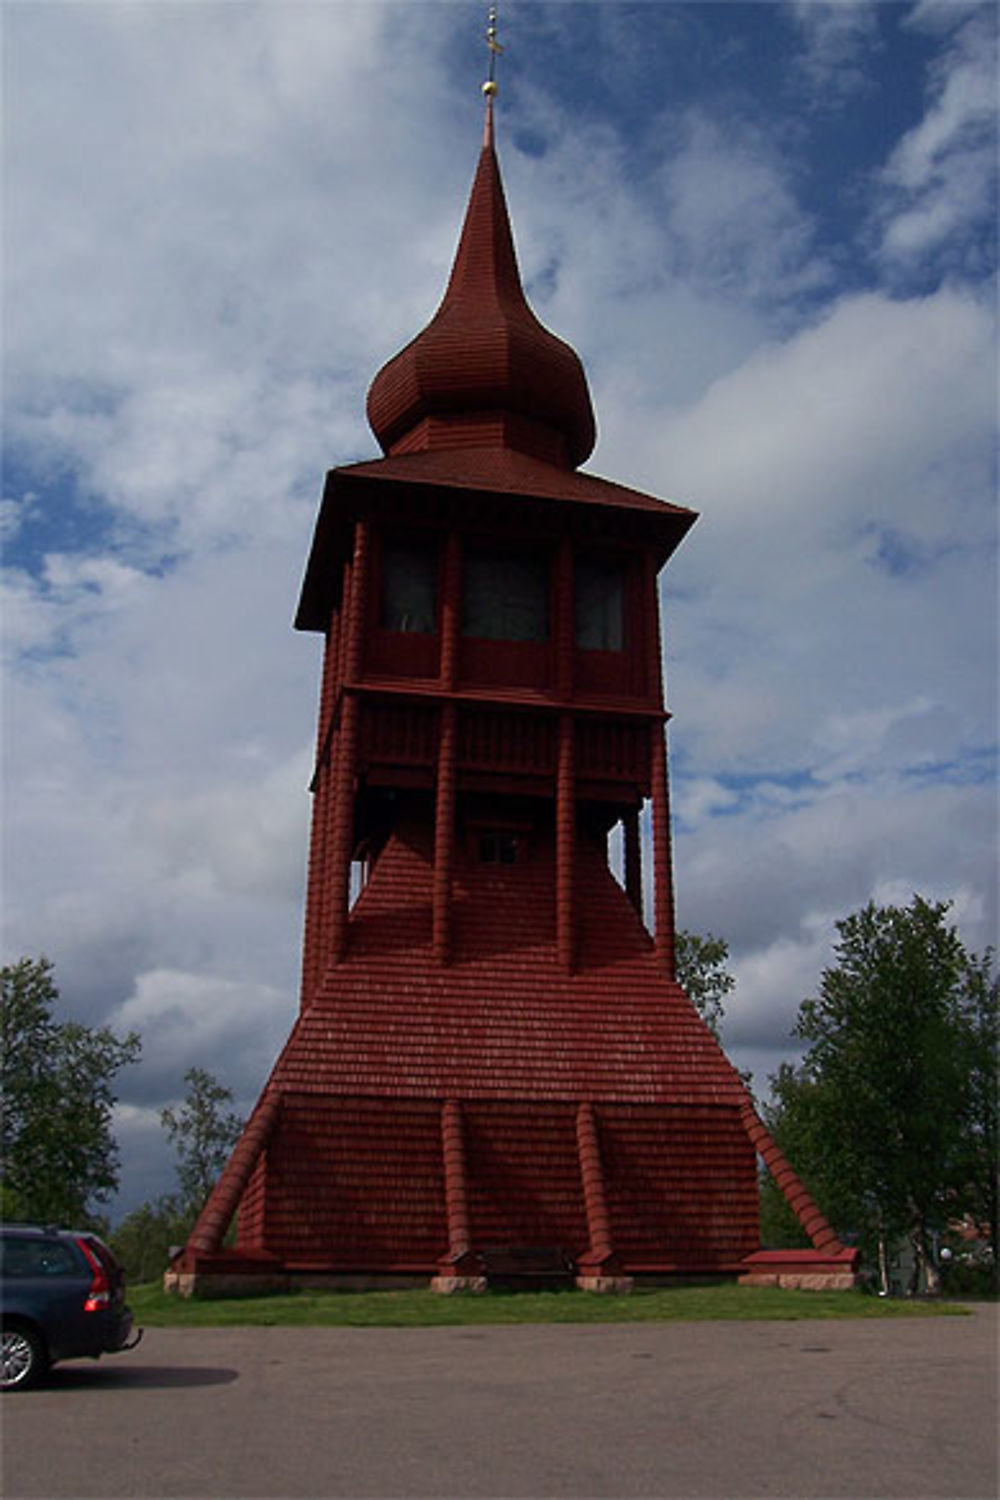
<point>877,1119</point>
<point>145,1237</point>
<point>702,974</point>
<point>57,1152</point>
<point>203,1132</point>
<point>979,1104</point>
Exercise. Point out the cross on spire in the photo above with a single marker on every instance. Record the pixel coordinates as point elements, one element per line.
<point>490,86</point>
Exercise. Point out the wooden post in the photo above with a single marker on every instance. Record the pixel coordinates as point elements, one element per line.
<point>357,604</point>
<point>444,835</point>
<point>345,615</point>
<point>342,825</point>
<point>565,845</point>
<point>312,946</point>
<point>444,811</point>
<point>663,897</point>
<point>598,1270</point>
<point>595,1202</point>
<point>663,902</point>
<point>565,625</point>
<point>456,1199</point>
<point>461,1270</point>
<point>651,631</point>
<point>633,858</point>
<point>346,749</point>
<point>451,610</point>
<point>566,769</point>
<point>330,753</point>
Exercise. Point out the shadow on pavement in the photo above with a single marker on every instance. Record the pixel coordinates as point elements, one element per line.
<point>135,1377</point>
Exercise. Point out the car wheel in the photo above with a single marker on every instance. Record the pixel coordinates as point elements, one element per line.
<point>22,1359</point>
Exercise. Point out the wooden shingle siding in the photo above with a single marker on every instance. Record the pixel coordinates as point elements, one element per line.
<point>523,1176</point>
<point>356,1180</point>
<point>681,1185</point>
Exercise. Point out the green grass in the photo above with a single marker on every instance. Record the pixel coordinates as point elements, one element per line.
<point>425,1309</point>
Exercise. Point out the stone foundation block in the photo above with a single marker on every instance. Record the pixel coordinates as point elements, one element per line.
<point>802,1270</point>
<point>605,1285</point>
<point>450,1286</point>
<point>803,1281</point>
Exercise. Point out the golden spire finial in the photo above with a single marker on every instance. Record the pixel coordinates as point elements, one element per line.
<point>490,86</point>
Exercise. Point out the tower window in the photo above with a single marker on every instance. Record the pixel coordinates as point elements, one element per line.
<point>506,596</point>
<point>599,594</point>
<point>409,587</point>
<point>497,849</point>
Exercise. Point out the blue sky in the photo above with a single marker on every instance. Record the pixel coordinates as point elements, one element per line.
<point>769,231</point>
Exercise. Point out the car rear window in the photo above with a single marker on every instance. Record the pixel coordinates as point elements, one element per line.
<point>104,1255</point>
<point>22,1257</point>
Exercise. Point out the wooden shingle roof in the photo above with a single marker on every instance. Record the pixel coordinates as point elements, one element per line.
<point>485,350</point>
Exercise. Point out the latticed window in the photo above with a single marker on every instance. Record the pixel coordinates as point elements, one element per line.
<point>599,595</point>
<point>409,587</point>
<point>506,596</point>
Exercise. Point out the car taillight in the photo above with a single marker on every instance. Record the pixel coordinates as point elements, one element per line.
<point>99,1295</point>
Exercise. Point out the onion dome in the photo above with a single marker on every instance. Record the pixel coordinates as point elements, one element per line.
<point>485,371</point>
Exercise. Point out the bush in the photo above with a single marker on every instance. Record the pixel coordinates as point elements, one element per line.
<point>969,1276</point>
<point>143,1240</point>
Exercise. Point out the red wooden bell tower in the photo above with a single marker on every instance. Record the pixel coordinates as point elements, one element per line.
<point>493,1070</point>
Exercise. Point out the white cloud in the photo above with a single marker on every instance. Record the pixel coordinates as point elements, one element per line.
<point>243,836</point>
<point>699,798</point>
<point>941,176</point>
<point>734,214</point>
<point>773,981</point>
<point>858,740</point>
<point>843,566</point>
<point>838,38</point>
<point>822,426</point>
<point>760,879</point>
<point>237,1027</point>
<point>199,377</point>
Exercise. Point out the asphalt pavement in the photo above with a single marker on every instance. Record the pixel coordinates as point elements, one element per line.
<point>812,1409</point>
